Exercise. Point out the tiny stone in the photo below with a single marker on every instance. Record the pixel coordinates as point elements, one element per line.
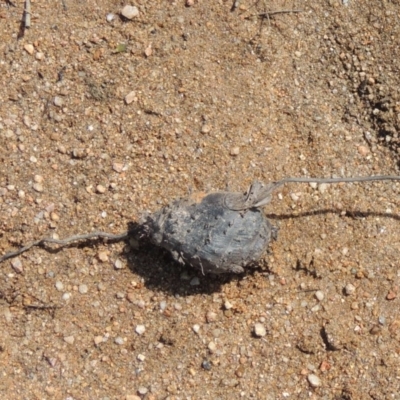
<point>319,295</point>
<point>21,194</point>
<point>195,281</point>
<point>110,17</point>
<point>38,187</point>
<point>118,264</point>
<point>83,289</point>
<point>363,150</point>
<point>17,265</point>
<point>140,329</point>
<point>206,365</point>
<point>142,390</point>
<point>118,167</point>
<point>103,256</point>
<point>130,12</point>
<point>205,129</point>
<point>211,316</point>
<point>119,340</point>
<point>100,189</point>
<point>39,56</point>
<point>228,305</point>
<point>314,185</point>
<point>196,328</point>
<point>391,295</point>
<point>259,330</point>
<point>66,296</point>
<point>314,380</point>
<point>349,289</point>
<point>59,286</point>
<point>212,347</point>
<point>132,397</point>
<point>29,48</point>
<point>38,178</point>
<point>189,3</point>
<point>130,97</point>
<point>58,101</point>
<point>69,339</point>
<point>322,187</point>
<point>235,151</point>
<point>97,340</point>
<point>141,357</point>
<point>163,305</point>
<point>294,196</point>
<point>54,217</point>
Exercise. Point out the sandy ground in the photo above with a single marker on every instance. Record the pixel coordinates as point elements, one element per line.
<point>104,119</point>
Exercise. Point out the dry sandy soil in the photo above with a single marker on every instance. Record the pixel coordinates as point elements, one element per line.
<point>218,96</point>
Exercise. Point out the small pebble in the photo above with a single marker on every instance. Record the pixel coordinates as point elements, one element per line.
<point>235,151</point>
<point>66,296</point>
<point>58,101</point>
<point>140,329</point>
<point>259,330</point>
<point>38,178</point>
<point>130,97</point>
<point>100,189</point>
<point>228,305</point>
<point>38,187</point>
<point>132,397</point>
<point>29,48</point>
<point>211,316</point>
<point>349,289</point>
<point>17,265</point>
<point>319,295</point>
<point>119,340</point>
<point>196,328</point>
<point>39,56</point>
<point>212,347</point>
<point>322,187</point>
<point>118,167</point>
<point>83,289</point>
<point>195,281</point>
<point>205,129</point>
<point>97,340</point>
<point>130,12</point>
<point>314,185</point>
<point>69,339</point>
<point>314,380</point>
<point>142,390</point>
<point>141,357</point>
<point>206,365</point>
<point>363,150</point>
<point>118,264</point>
<point>391,295</point>
<point>103,256</point>
<point>110,17</point>
<point>59,286</point>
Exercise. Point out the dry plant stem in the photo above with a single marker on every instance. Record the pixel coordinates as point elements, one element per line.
<point>270,13</point>
<point>65,242</point>
<point>27,13</point>
<point>273,186</point>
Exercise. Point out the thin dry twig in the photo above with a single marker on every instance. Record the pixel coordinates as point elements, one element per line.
<point>65,242</point>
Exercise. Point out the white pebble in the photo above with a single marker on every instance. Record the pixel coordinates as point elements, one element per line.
<point>140,329</point>
<point>58,101</point>
<point>313,185</point>
<point>38,187</point>
<point>349,289</point>
<point>212,347</point>
<point>142,390</point>
<point>130,97</point>
<point>110,17</point>
<point>141,357</point>
<point>228,305</point>
<point>196,328</point>
<point>59,286</point>
<point>66,296</point>
<point>69,339</point>
<point>83,289</point>
<point>319,295</point>
<point>259,330</point>
<point>314,380</point>
<point>17,265</point>
<point>322,187</point>
<point>130,12</point>
<point>29,48</point>
<point>118,264</point>
<point>119,340</point>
